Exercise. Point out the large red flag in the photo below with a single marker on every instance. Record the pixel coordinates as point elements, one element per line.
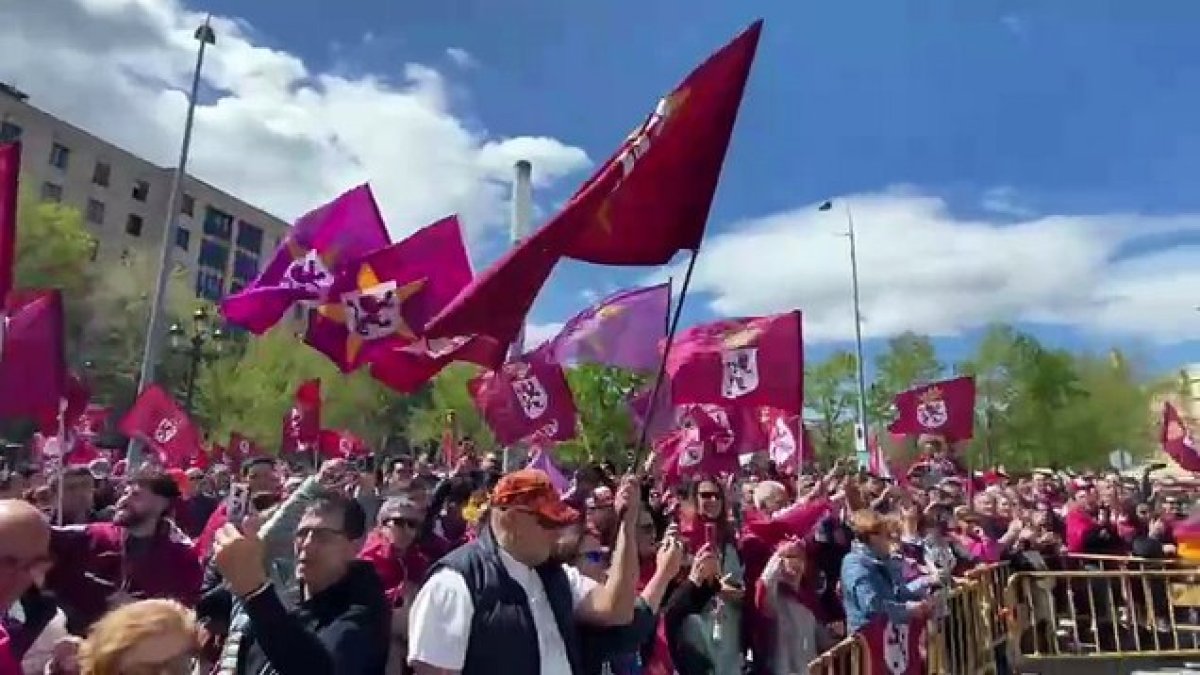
<point>946,408</point>
<point>302,422</point>
<point>157,419</point>
<point>33,372</point>
<point>680,149</point>
<point>702,445</point>
<point>644,204</point>
<point>406,369</point>
<point>753,362</point>
<point>526,396</point>
<point>1178,441</point>
<point>895,648</point>
<point>10,172</point>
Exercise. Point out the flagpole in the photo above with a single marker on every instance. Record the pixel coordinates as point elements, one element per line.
<point>520,221</point>
<point>672,327</point>
<point>205,36</point>
<point>62,459</point>
<point>863,425</point>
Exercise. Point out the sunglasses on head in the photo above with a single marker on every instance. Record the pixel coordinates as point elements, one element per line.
<point>399,521</point>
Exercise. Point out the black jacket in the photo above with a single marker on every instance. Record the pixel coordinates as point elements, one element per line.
<point>342,630</point>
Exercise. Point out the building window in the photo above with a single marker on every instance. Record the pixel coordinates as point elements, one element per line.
<point>51,192</point>
<point>213,254</point>
<point>245,267</point>
<point>101,174</point>
<point>95,212</point>
<point>183,237</point>
<point>9,132</point>
<point>133,225</point>
<point>209,285</point>
<point>249,237</point>
<point>187,205</point>
<point>218,224</point>
<point>141,190</point>
<point>60,156</point>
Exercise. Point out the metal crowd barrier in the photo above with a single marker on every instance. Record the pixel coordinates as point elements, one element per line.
<point>848,657</point>
<point>1105,613</point>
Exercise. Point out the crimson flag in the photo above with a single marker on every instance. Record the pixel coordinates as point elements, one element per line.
<point>1178,441</point>
<point>526,397</point>
<point>945,408</point>
<point>10,175</point>
<point>33,372</point>
<point>302,422</point>
<point>895,648</point>
<point>679,149</point>
<point>157,419</point>
<point>647,202</point>
<point>240,449</point>
<point>785,438</point>
<point>92,420</point>
<point>406,369</point>
<point>722,363</point>
<point>341,445</point>
<point>702,445</point>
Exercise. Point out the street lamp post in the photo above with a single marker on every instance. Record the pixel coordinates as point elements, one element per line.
<point>201,346</point>
<point>205,36</point>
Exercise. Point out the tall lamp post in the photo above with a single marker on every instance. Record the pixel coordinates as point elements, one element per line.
<point>860,429</point>
<point>205,36</point>
<point>201,345</point>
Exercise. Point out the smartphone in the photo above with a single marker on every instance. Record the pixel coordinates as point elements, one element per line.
<point>237,504</point>
<point>711,537</point>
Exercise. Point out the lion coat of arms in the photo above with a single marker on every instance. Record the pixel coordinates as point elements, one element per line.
<point>931,409</point>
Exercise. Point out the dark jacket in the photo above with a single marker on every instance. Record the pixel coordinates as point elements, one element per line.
<point>502,622</point>
<point>339,631</point>
<point>688,657</point>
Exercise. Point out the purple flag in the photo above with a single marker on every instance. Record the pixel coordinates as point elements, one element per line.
<point>542,461</point>
<point>623,330</point>
<point>664,412</point>
<point>321,244</point>
<point>383,300</point>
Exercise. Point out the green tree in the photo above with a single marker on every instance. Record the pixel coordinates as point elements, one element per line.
<point>606,428</point>
<point>251,392</point>
<point>447,393</point>
<point>54,250</point>
<point>831,394</point>
<point>910,360</point>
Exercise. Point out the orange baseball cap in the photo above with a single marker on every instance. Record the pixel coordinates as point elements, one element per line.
<point>531,489</point>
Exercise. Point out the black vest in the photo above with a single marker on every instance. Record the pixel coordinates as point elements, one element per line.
<point>503,637</point>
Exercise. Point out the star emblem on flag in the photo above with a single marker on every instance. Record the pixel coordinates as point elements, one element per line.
<point>372,310</point>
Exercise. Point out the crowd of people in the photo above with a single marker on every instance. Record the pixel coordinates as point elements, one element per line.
<point>408,567</point>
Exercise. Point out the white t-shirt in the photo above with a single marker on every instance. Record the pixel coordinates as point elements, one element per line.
<point>440,620</point>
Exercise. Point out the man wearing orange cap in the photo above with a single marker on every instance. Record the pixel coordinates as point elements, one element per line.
<point>500,603</point>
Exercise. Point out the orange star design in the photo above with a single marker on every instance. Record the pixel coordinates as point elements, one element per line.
<point>366,281</point>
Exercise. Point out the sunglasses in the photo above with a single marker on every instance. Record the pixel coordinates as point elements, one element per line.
<point>407,523</point>
<point>597,557</point>
<point>708,495</point>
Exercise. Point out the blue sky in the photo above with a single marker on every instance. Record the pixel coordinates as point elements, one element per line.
<point>976,140</point>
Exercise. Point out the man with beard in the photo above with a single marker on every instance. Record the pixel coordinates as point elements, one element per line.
<point>141,554</point>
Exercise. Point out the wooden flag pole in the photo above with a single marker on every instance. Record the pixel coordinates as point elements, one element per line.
<point>672,327</point>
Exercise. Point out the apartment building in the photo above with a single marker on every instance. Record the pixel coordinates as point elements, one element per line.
<point>220,240</point>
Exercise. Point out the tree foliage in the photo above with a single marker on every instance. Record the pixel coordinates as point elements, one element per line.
<point>1035,405</point>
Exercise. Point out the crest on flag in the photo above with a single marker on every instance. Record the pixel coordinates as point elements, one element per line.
<point>739,372</point>
<point>692,453</point>
<point>308,273</point>
<point>931,411</point>
<point>642,138</point>
<point>165,431</point>
<point>783,442</point>
<point>295,419</point>
<point>895,647</point>
<point>530,393</point>
<point>345,445</point>
<point>1176,432</point>
<point>372,313</point>
<point>244,447</point>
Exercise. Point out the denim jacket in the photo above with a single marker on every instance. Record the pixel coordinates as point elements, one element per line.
<point>872,587</point>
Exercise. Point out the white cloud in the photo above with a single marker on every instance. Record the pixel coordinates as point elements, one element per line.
<point>537,333</point>
<point>923,269</point>
<point>1004,201</point>
<point>269,129</point>
<point>460,57</point>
